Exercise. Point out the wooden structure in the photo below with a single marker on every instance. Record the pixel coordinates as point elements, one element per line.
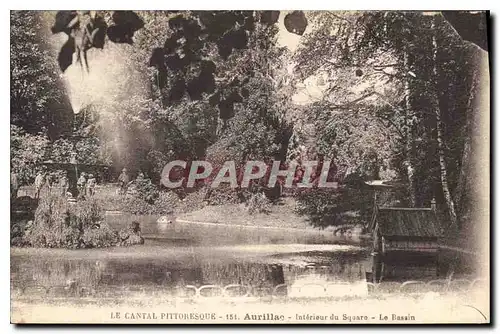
<point>405,240</point>
<point>405,243</point>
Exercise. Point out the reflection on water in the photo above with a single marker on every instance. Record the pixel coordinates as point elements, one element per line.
<point>219,234</point>
<point>108,275</point>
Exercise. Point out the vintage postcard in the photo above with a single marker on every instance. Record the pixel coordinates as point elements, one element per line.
<point>250,167</point>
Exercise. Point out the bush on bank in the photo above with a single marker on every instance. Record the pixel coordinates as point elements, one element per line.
<point>164,203</point>
<point>60,224</point>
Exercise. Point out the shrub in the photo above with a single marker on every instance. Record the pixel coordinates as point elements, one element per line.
<point>136,206</point>
<point>58,223</point>
<point>99,236</point>
<point>131,235</point>
<point>258,203</point>
<point>85,213</point>
<point>17,230</point>
<point>193,201</point>
<point>332,207</point>
<point>146,190</point>
<point>167,201</point>
<point>223,195</point>
<point>51,227</point>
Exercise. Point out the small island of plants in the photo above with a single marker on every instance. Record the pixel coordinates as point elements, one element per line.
<point>59,223</point>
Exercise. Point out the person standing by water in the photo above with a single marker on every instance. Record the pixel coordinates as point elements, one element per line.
<point>82,185</point>
<point>64,184</point>
<point>123,181</point>
<point>14,185</point>
<point>91,182</point>
<point>39,182</point>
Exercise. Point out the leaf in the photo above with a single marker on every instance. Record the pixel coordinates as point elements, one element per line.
<point>157,58</point>
<point>93,34</point>
<point>237,39</point>
<point>245,92</point>
<point>128,18</point>
<point>120,34</point>
<point>174,62</point>
<point>296,22</point>
<point>98,35</point>
<point>194,89</point>
<point>126,24</point>
<point>73,22</point>
<point>269,16</point>
<point>224,49</point>
<point>177,91</point>
<point>214,99</point>
<point>65,57</point>
<point>65,21</point>
<point>249,23</point>
<point>208,66</point>
<point>176,23</point>
<point>226,109</point>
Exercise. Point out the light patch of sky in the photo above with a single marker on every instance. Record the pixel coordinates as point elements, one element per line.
<point>313,88</point>
<point>285,38</point>
<point>101,85</point>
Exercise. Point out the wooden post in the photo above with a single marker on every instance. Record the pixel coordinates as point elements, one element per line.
<point>376,256</point>
<point>433,204</point>
<point>74,161</point>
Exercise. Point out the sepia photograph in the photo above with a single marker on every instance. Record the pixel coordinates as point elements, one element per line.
<point>250,167</point>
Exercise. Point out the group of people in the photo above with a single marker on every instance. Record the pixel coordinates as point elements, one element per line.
<point>58,183</point>
<point>125,181</point>
<point>86,184</point>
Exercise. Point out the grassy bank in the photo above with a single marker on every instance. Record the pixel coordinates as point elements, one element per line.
<point>195,208</point>
<point>280,215</point>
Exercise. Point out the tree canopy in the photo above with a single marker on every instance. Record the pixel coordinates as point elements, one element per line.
<point>395,96</point>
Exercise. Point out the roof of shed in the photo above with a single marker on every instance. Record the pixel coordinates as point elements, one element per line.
<point>408,222</point>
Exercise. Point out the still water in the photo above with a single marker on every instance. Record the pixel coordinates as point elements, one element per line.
<point>210,234</point>
<point>182,258</point>
<point>162,267</point>
<point>180,254</point>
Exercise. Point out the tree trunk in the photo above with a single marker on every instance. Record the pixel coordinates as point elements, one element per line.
<point>408,163</point>
<point>440,143</point>
<point>443,170</point>
<point>462,178</point>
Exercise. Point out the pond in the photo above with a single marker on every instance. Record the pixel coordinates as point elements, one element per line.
<point>209,234</point>
<point>184,258</point>
<point>160,267</point>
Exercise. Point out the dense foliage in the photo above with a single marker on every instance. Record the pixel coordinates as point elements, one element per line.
<point>60,224</point>
<point>399,99</point>
<point>396,101</point>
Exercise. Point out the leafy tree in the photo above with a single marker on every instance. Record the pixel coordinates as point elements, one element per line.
<point>195,98</point>
<point>422,63</point>
<point>38,101</point>
<point>28,151</point>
